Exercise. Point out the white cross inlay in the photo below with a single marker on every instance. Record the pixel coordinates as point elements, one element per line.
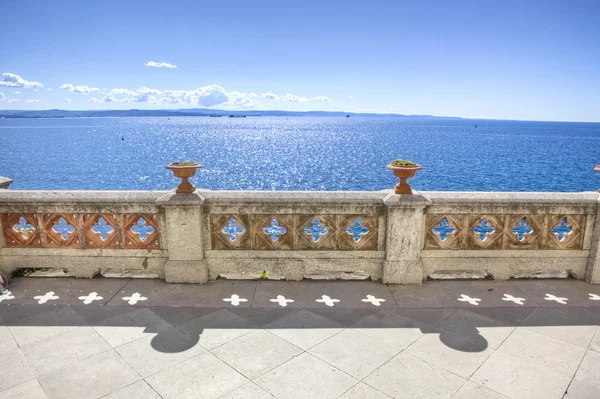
<point>281,300</point>
<point>48,296</point>
<point>327,300</point>
<point>550,297</point>
<point>235,300</point>
<point>135,298</point>
<point>466,298</point>
<point>93,296</point>
<point>373,300</point>
<point>593,297</point>
<point>510,298</point>
<point>7,296</point>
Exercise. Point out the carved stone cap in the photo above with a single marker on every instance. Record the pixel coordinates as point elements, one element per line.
<point>415,200</point>
<point>187,199</point>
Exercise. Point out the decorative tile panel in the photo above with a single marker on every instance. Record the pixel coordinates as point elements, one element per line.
<point>445,231</point>
<point>101,230</point>
<point>230,231</point>
<point>316,232</point>
<point>485,231</point>
<point>61,230</point>
<point>357,232</point>
<point>294,232</point>
<point>76,230</point>
<point>141,231</point>
<point>273,231</point>
<point>525,232</point>
<point>514,231</point>
<point>21,230</point>
<point>565,231</point>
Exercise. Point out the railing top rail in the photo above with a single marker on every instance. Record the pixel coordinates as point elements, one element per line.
<point>295,196</point>
<point>465,197</point>
<point>347,197</point>
<point>80,196</point>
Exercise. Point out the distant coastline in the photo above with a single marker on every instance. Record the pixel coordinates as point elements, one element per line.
<point>57,113</point>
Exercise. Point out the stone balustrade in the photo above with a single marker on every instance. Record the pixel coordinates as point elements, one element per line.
<point>399,239</point>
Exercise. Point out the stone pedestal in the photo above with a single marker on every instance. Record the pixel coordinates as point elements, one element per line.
<point>183,214</point>
<point>592,272</point>
<point>404,239</point>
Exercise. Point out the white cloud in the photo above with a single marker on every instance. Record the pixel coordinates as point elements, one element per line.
<point>14,100</point>
<point>17,92</point>
<point>205,96</point>
<point>270,95</point>
<point>293,98</point>
<point>32,101</point>
<point>78,89</point>
<point>2,96</point>
<point>12,80</point>
<point>50,89</point>
<point>351,97</point>
<point>141,95</point>
<point>160,64</point>
<point>288,97</point>
<point>68,100</point>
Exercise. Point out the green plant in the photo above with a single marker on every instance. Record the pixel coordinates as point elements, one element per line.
<point>404,163</point>
<point>264,275</point>
<point>186,163</point>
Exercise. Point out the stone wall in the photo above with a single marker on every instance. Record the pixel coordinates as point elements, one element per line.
<point>398,239</point>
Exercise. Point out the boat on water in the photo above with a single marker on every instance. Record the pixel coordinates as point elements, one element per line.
<point>215,116</point>
<point>237,116</point>
<point>597,168</point>
<point>347,115</point>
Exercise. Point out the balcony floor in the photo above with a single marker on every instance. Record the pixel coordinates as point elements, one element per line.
<point>133,338</point>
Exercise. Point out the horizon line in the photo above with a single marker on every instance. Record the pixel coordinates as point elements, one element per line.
<point>420,116</point>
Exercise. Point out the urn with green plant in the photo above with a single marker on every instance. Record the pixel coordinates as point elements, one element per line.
<point>403,170</point>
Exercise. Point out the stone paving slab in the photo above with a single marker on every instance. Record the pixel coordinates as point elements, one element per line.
<point>93,377</point>
<point>572,292</point>
<point>465,294</point>
<point>518,377</point>
<point>186,341</point>
<point>204,376</point>
<point>353,294</point>
<point>213,294</point>
<point>27,390</point>
<point>141,292</point>
<point>312,376</point>
<point>405,376</point>
<point>65,291</point>
<point>256,353</point>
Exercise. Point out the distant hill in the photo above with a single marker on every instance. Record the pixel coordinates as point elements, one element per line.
<point>57,113</point>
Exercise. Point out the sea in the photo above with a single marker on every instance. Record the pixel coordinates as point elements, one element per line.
<point>299,153</point>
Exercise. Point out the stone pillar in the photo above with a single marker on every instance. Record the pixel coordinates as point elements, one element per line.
<point>404,235</point>
<point>592,271</point>
<point>183,214</point>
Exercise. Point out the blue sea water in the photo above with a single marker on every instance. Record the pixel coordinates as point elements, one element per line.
<point>299,153</point>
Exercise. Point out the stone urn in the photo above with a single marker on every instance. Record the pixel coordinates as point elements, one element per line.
<point>403,170</point>
<point>184,170</point>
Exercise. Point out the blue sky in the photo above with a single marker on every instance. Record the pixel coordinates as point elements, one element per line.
<point>530,60</point>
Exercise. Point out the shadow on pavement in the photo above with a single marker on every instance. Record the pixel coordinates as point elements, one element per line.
<point>178,329</point>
